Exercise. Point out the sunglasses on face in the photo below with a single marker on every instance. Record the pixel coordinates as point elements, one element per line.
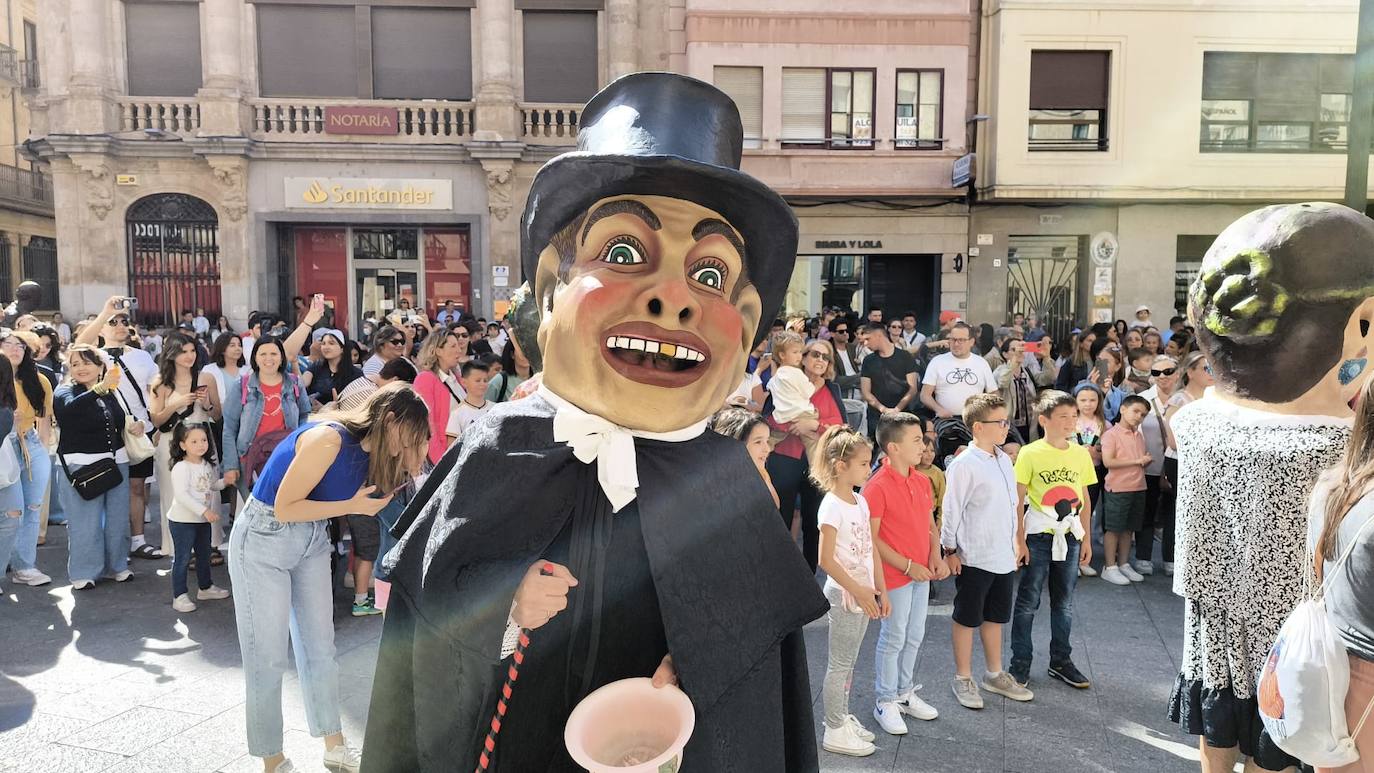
<point>397,342</point>
<point>1164,372</point>
<point>118,322</point>
<point>463,335</point>
<point>819,355</point>
<point>842,331</point>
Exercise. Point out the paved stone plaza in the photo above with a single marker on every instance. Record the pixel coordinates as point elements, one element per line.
<point>114,680</point>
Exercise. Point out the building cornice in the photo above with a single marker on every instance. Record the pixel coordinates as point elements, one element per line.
<point>1098,7</point>
<point>1115,194</point>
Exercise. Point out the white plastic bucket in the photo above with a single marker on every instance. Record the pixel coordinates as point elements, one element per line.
<point>630,726</point>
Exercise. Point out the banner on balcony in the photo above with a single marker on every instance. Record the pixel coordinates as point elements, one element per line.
<point>367,193</point>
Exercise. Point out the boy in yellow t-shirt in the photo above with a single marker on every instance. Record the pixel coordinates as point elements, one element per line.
<point>1052,477</point>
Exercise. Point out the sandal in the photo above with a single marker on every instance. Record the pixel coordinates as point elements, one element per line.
<point>145,551</point>
<point>216,557</point>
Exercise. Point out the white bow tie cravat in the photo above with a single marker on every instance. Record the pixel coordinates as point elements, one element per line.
<point>611,446</point>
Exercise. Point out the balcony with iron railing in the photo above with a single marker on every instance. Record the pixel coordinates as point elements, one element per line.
<point>29,74</point>
<point>9,65</point>
<point>26,189</point>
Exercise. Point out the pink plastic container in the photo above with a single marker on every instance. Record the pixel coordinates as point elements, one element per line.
<point>630,726</point>
<point>381,590</point>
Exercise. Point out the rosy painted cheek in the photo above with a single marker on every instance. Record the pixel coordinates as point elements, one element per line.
<point>601,303</point>
<point>723,327</point>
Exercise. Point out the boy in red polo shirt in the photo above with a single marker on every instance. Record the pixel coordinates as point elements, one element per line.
<point>901,506</point>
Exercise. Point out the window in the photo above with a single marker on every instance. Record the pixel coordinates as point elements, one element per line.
<point>1068,100</point>
<point>421,53</point>
<point>803,101</point>
<point>29,64</point>
<point>1188,254</point>
<point>1275,103</point>
<point>847,123</point>
<point>919,117</point>
<point>745,86</point>
<point>306,51</point>
<point>378,52</point>
<point>163,43</point>
<point>560,56</point>
<point>851,108</point>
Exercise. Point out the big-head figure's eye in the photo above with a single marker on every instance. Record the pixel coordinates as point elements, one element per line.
<point>622,251</point>
<point>709,273</point>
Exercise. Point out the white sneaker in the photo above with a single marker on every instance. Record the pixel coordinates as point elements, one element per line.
<point>912,705</point>
<point>1131,574</point>
<point>183,603</point>
<point>31,577</point>
<point>1168,568</point>
<point>1114,576</point>
<point>123,576</point>
<point>1145,568</point>
<point>1004,684</point>
<point>1086,571</point>
<point>284,766</point>
<point>966,692</point>
<point>212,593</point>
<point>343,759</point>
<point>890,718</point>
<point>83,585</point>
<point>843,740</point>
<point>859,729</point>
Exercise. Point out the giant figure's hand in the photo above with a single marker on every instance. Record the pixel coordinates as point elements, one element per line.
<point>541,596</point>
<point>666,673</point>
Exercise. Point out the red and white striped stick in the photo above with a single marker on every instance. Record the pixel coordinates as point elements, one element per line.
<point>503,702</point>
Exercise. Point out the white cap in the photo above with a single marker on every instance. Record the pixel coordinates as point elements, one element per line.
<point>1141,307</point>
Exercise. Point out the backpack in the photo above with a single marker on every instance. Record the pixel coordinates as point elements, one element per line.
<point>1302,687</point>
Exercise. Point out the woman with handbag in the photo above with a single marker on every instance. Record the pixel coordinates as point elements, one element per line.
<point>264,407</point>
<point>181,393</point>
<point>32,433</point>
<point>94,486</point>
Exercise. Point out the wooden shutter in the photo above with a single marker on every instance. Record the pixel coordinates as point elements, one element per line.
<point>1069,80</point>
<point>745,87</point>
<point>163,42</point>
<point>803,104</point>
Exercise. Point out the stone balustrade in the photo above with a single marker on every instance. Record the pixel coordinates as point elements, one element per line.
<point>549,124</point>
<point>415,123</point>
<point>175,115</point>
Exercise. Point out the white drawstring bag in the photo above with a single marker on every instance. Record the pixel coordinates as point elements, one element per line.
<point>1303,685</point>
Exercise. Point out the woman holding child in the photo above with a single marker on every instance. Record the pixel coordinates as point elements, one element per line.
<point>787,464</point>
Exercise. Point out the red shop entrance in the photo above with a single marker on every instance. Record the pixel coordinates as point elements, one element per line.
<point>363,269</point>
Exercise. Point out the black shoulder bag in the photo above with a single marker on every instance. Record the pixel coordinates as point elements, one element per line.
<point>102,475</point>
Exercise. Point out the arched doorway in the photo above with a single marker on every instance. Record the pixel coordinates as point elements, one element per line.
<point>173,257</point>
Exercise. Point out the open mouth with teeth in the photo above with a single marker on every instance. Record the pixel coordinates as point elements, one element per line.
<point>655,357</point>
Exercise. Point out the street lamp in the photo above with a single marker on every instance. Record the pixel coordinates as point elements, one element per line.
<point>969,130</point>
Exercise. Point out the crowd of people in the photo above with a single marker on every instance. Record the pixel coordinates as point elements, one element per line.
<point>900,458</point>
<point>213,420</point>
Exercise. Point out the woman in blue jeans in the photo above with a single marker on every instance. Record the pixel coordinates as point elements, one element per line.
<point>11,496</point>
<point>279,558</point>
<point>32,433</point>
<point>89,417</point>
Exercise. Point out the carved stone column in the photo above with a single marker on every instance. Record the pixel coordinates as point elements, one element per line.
<point>222,112</point>
<point>88,109</point>
<point>496,117</point>
<point>504,229</point>
<point>623,51</point>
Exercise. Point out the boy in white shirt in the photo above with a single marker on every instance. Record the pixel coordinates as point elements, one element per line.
<point>474,377</point>
<point>979,540</point>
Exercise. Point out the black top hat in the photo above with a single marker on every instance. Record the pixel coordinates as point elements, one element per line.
<point>664,134</point>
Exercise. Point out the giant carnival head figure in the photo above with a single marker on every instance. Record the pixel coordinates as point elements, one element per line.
<point>1283,308</point>
<point>655,263</point>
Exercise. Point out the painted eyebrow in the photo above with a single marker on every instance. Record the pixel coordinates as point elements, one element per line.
<point>711,226</point>
<point>621,207</point>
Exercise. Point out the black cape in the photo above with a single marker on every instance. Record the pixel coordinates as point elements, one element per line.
<point>733,592</point>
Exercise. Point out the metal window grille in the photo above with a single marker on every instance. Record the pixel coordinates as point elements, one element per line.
<point>39,264</point>
<point>1042,276</point>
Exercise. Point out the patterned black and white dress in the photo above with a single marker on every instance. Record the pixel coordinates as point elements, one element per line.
<point>1244,480</point>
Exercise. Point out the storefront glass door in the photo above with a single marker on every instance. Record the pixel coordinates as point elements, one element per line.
<point>380,290</point>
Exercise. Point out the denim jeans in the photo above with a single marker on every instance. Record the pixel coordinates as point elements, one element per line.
<point>1063,577</point>
<point>281,582</point>
<point>899,641</point>
<point>846,639</point>
<point>34,479</point>
<point>11,518</point>
<point>97,529</point>
<point>387,518</point>
<point>188,537</point>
